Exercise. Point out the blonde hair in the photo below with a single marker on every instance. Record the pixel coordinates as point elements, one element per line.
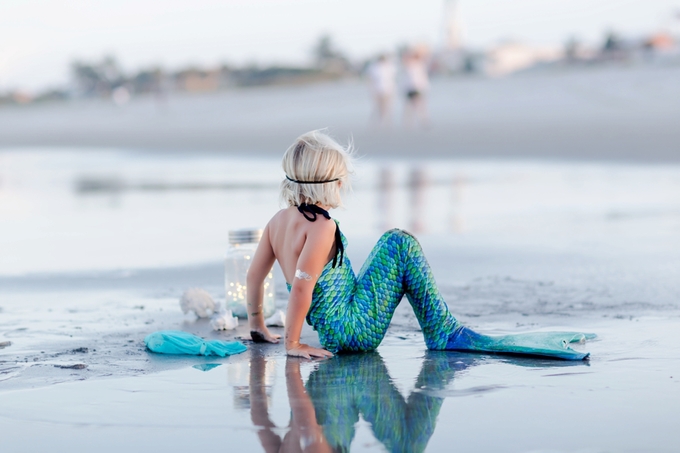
<point>316,157</point>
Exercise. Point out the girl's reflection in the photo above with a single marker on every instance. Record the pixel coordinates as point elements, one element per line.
<point>305,434</point>
<point>346,386</point>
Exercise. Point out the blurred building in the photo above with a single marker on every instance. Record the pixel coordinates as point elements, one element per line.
<point>452,57</point>
<point>194,80</point>
<point>662,42</point>
<point>511,57</point>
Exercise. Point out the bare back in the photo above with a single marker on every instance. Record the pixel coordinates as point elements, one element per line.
<point>297,244</point>
<point>289,231</point>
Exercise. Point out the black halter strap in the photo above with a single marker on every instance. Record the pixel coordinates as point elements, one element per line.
<point>311,211</point>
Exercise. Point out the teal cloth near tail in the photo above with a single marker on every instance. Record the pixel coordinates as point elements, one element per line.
<point>546,344</point>
<point>178,342</point>
<point>352,313</point>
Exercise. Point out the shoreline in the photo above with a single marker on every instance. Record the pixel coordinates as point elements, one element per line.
<point>608,115</point>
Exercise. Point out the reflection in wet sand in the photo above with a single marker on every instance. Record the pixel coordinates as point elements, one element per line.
<point>386,188</point>
<point>347,387</point>
<point>418,184</point>
<point>420,187</point>
<point>456,218</point>
<point>304,433</point>
<point>342,389</point>
<point>92,185</point>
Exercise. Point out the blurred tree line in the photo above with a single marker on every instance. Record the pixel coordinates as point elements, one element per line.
<point>105,78</point>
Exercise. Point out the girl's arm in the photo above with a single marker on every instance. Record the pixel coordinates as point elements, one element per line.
<point>315,252</point>
<point>304,424</point>
<point>261,265</point>
<point>259,409</point>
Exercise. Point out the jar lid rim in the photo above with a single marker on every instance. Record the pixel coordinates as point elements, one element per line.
<point>245,235</point>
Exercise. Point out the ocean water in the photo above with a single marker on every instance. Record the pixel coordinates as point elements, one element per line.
<point>484,224</point>
<point>67,211</point>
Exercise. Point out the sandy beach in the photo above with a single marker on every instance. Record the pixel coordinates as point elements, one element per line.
<point>566,216</point>
<point>610,113</point>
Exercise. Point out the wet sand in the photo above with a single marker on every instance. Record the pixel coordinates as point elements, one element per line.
<point>624,400</point>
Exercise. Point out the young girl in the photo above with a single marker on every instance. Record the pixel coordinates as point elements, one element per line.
<point>352,313</point>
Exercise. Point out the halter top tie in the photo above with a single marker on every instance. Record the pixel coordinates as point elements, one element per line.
<point>311,211</point>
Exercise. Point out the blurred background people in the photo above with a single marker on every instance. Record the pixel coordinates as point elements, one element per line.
<point>416,86</point>
<point>382,77</point>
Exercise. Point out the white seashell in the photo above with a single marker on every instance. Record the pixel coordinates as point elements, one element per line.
<point>278,319</point>
<point>224,320</point>
<point>199,301</point>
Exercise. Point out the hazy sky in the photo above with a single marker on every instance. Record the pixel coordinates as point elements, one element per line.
<point>38,38</point>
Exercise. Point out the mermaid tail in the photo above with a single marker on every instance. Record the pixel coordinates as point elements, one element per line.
<point>353,313</point>
<point>178,342</point>
<point>545,344</point>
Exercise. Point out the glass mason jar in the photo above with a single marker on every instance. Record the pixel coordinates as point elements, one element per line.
<point>242,245</point>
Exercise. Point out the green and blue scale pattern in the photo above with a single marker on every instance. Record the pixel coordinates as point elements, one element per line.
<point>352,313</point>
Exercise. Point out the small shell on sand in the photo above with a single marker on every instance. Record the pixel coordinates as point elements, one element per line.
<point>199,301</point>
<point>224,321</point>
<point>278,319</point>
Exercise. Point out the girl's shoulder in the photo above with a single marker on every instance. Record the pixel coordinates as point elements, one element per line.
<point>324,225</point>
<point>283,215</point>
<point>291,217</point>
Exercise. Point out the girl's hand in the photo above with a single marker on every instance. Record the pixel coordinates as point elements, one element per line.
<point>308,352</point>
<point>262,335</point>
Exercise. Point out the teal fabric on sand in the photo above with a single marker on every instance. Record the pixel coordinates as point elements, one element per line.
<point>352,313</point>
<point>178,342</point>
